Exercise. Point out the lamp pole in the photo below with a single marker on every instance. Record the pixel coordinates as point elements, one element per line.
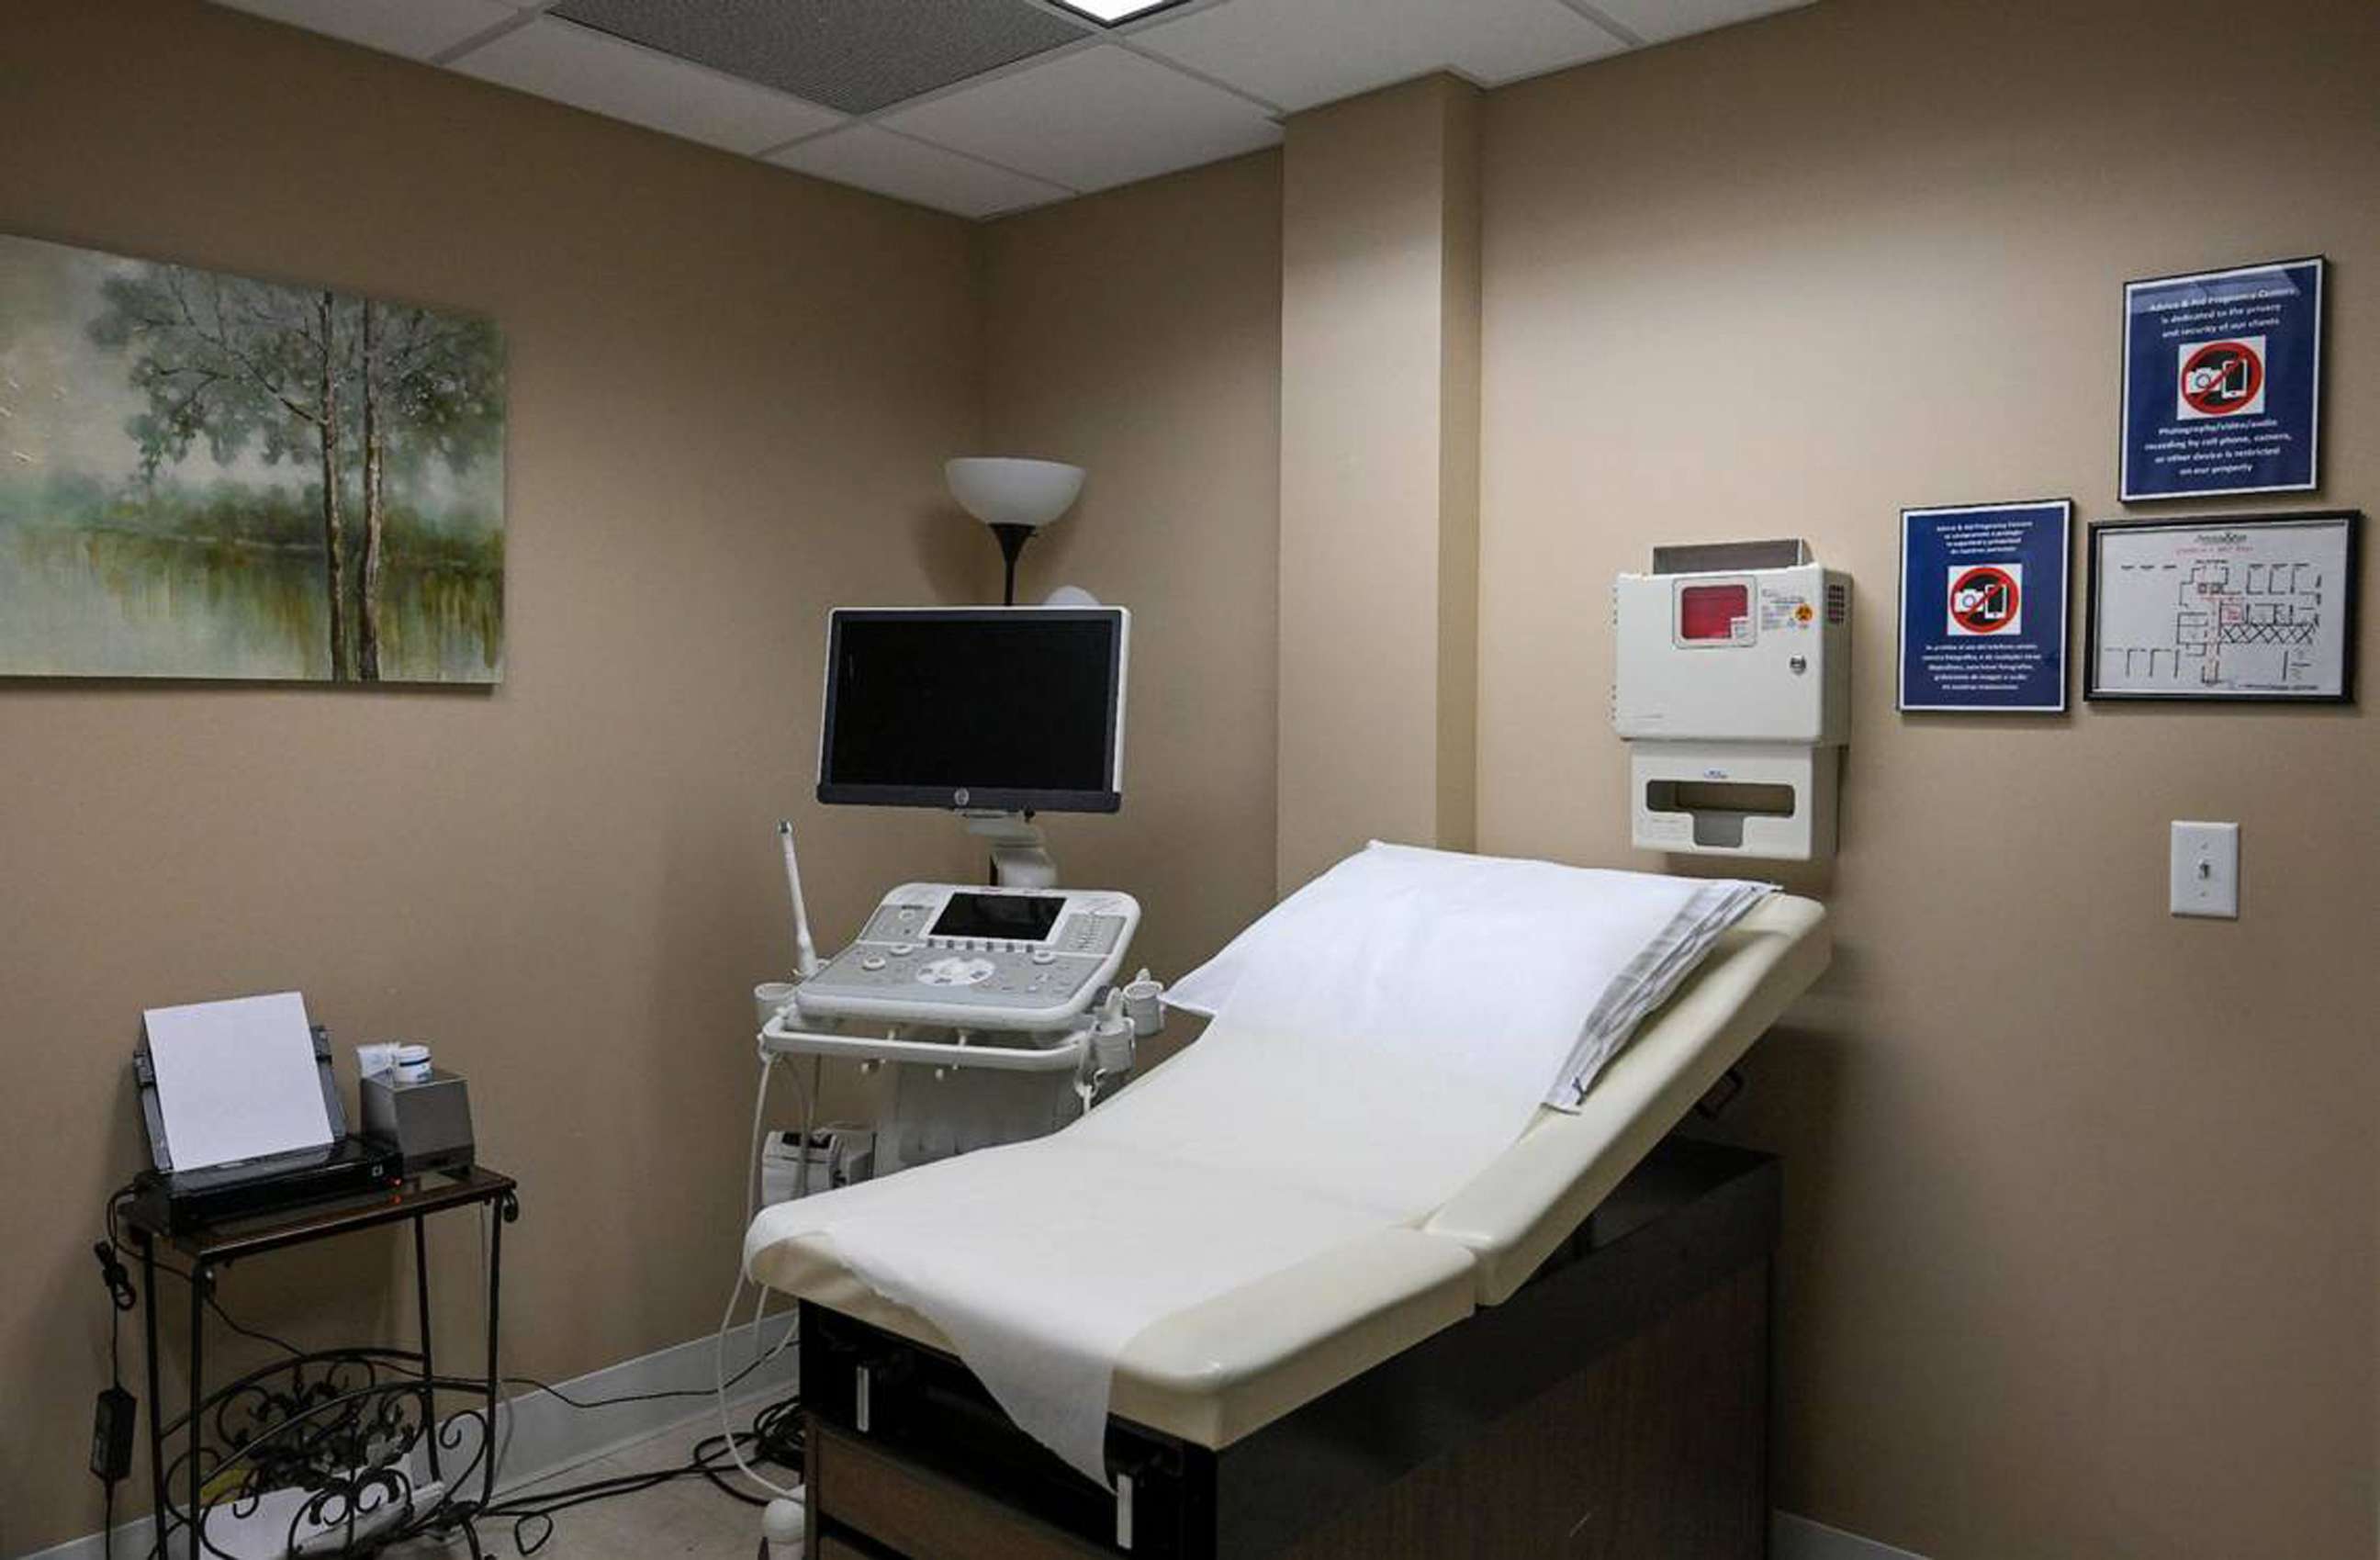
<point>1012,537</point>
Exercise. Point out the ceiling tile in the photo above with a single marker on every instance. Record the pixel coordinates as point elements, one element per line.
<point>1303,53</point>
<point>911,170</point>
<point>572,65</point>
<point>420,28</point>
<point>857,56</point>
<point>1091,119</point>
<point>1657,21</point>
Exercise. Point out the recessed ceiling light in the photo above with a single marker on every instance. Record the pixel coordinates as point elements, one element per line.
<point>1108,13</point>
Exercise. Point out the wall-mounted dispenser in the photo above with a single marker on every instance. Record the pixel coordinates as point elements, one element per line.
<point>1731,686</point>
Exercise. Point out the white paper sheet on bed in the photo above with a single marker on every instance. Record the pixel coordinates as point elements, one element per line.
<point>1391,1031</point>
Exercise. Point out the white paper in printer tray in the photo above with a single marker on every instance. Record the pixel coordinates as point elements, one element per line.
<point>237,1079</point>
<point>1369,1060</point>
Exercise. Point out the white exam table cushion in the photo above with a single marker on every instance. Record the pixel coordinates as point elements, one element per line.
<point>1214,1371</point>
<point>1514,1213</point>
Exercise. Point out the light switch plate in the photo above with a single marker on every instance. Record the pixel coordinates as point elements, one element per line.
<point>2206,870</point>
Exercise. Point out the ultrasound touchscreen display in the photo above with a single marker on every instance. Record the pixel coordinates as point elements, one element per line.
<point>1016,917</point>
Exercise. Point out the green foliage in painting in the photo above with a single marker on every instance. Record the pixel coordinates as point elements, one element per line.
<point>264,433</point>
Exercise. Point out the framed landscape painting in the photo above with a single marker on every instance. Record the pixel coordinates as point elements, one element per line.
<point>207,475</point>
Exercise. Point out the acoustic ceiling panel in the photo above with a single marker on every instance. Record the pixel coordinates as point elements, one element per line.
<point>1657,21</point>
<point>1299,53</point>
<point>1090,119</point>
<point>910,170</point>
<point>604,75</point>
<point>419,28</point>
<point>856,56</point>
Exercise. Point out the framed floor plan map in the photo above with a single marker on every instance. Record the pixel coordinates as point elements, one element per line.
<point>2223,607</point>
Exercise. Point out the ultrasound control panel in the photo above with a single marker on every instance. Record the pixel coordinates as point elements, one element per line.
<point>977,958</point>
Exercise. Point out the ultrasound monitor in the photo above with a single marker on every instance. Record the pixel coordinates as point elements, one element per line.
<point>992,708</point>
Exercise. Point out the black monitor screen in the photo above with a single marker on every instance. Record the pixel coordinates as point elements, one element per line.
<point>1018,918</point>
<point>1001,709</point>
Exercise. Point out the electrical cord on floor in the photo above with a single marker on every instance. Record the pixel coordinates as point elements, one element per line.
<point>507,1420</point>
<point>775,1435</point>
<point>503,1446</point>
<point>776,1438</point>
<point>760,1291</point>
<point>553,1391</point>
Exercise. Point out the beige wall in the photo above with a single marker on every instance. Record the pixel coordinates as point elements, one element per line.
<point>1139,333</point>
<point>2080,1247</point>
<point>1378,473</point>
<point>2081,1234</point>
<point>2080,1257</point>
<point>732,391</point>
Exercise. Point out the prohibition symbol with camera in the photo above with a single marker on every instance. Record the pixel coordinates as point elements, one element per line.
<point>1986,598</point>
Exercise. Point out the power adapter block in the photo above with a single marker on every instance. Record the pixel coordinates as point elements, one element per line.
<point>111,1436</point>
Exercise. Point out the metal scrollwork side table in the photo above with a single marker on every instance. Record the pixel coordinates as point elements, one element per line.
<point>354,1445</point>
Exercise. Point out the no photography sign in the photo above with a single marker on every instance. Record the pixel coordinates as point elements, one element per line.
<point>1982,607</point>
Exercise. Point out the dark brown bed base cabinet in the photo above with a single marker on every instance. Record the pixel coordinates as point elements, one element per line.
<point>1615,1409</point>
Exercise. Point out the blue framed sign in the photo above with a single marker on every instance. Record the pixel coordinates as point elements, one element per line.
<point>2223,383</point>
<point>1982,607</point>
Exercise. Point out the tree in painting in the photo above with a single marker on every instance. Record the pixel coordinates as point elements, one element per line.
<point>267,433</point>
<point>228,360</point>
<point>434,379</point>
<point>231,360</point>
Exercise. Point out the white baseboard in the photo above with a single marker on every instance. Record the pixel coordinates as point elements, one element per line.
<point>549,1435</point>
<point>1798,1538</point>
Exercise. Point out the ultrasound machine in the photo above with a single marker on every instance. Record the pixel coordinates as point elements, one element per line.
<point>998,1006</point>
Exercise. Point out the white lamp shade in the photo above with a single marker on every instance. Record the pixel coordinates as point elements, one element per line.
<point>1004,490</point>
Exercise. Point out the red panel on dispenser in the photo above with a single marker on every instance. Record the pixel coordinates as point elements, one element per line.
<point>1710,611</point>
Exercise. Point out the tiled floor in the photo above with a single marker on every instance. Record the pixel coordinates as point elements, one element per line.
<point>684,1517</point>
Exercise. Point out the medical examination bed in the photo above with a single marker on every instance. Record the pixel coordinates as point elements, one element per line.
<point>1569,1358</point>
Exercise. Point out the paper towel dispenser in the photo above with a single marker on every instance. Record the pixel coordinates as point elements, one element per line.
<point>1731,686</point>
